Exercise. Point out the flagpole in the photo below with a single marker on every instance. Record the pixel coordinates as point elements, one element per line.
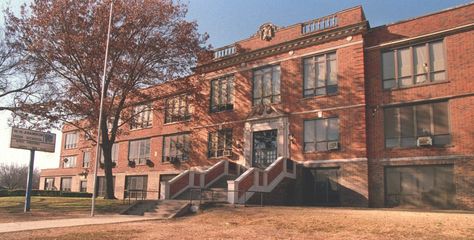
<point>102,95</point>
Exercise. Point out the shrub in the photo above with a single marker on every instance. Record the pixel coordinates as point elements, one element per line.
<point>44,193</point>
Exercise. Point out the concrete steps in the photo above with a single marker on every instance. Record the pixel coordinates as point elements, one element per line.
<point>158,208</point>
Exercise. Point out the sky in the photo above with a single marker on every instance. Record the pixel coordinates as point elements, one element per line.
<point>227,21</point>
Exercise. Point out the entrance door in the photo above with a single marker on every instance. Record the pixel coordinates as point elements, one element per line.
<point>326,186</point>
<point>264,148</point>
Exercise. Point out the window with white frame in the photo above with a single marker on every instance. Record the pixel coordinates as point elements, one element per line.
<point>405,124</point>
<point>177,108</point>
<point>320,75</point>
<point>139,151</point>
<point>176,148</point>
<point>319,134</point>
<point>71,139</point>
<point>49,184</point>
<point>66,183</point>
<point>115,152</point>
<point>69,162</point>
<point>417,64</point>
<point>86,159</point>
<point>142,117</point>
<point>83,186</point>
<point>266,85</point>
<point>222,94</point>
<point>220,143</point>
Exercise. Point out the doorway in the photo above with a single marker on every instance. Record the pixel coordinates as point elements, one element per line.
<point>322,186</point>
<point>264,148</point>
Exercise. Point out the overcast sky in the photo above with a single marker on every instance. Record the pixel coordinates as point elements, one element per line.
<point>227,21</point>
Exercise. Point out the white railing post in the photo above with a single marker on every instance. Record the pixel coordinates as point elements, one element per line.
<point>232,194</point>
<point>191,179</point>
<point>165,190</point>
<point>202,177</point>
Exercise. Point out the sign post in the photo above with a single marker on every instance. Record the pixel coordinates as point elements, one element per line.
<point>33,141</point>
<point>29,182</point>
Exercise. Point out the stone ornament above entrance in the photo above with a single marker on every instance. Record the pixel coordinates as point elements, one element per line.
<point>267,31</point>
<point>265,111</point>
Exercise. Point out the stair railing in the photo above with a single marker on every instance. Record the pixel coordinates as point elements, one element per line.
<point>260,180</point>
<point>198,194</point>
<point>194,178</point>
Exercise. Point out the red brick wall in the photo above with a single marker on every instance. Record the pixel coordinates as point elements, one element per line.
<point>197,179</point>
<point>275,171</point>
<point>245,184</point>
<point>459,49</point>
<point>179,184</point>
<point>214,173</point>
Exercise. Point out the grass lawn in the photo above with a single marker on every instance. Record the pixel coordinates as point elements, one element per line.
<point>279,223</point>
<point>11,208</point>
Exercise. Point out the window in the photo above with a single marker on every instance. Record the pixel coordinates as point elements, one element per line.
<point>66,184</point>
<point>266,85</point>
<point>49,184</point>
<point>83,186</point>
<point>319,133</point>
<point>71,140</point>
<point>320,75</point>
<point>142,117</point>
<point>110,122</point>
<point>222,94</point>
<point>177,109</point>
<point>176,148</point>
<point>100,189</point>
<point>413,65</point>
<point>220,143</point>
<point>69,162</point>
<point>139,151</point>
<point>403,125</point>
<point>115,152</point>
<point>86,159</point>
<point>136,186</point>
<point>428,185</point>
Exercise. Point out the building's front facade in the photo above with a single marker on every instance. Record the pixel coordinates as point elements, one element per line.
<point>370,116</point>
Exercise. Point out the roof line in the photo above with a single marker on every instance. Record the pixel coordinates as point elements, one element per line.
<point>425,15</point>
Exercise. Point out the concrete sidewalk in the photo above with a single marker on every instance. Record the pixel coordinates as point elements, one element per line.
<point>70,222</point>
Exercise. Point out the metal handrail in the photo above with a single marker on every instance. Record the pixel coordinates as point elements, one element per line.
<point>227,191</point>
<point>128,195</point>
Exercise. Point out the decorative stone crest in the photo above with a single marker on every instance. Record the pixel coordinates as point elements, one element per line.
<point>267,31</point>
<point>264,111</point>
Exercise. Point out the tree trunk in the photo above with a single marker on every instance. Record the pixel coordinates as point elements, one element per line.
<point>109,179</point>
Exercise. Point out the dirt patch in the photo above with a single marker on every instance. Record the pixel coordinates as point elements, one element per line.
<point>279,223</point>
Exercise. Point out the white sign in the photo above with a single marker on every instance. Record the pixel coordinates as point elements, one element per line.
<point>32,140</point>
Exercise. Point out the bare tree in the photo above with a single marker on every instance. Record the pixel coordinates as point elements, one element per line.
<point>14,176</point>
<point>64,40</point>
<point>15,88</point>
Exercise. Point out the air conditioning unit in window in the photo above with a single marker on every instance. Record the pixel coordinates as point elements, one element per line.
<point>333,145</point>
<point>424,141</point>
<point>227,153</point>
